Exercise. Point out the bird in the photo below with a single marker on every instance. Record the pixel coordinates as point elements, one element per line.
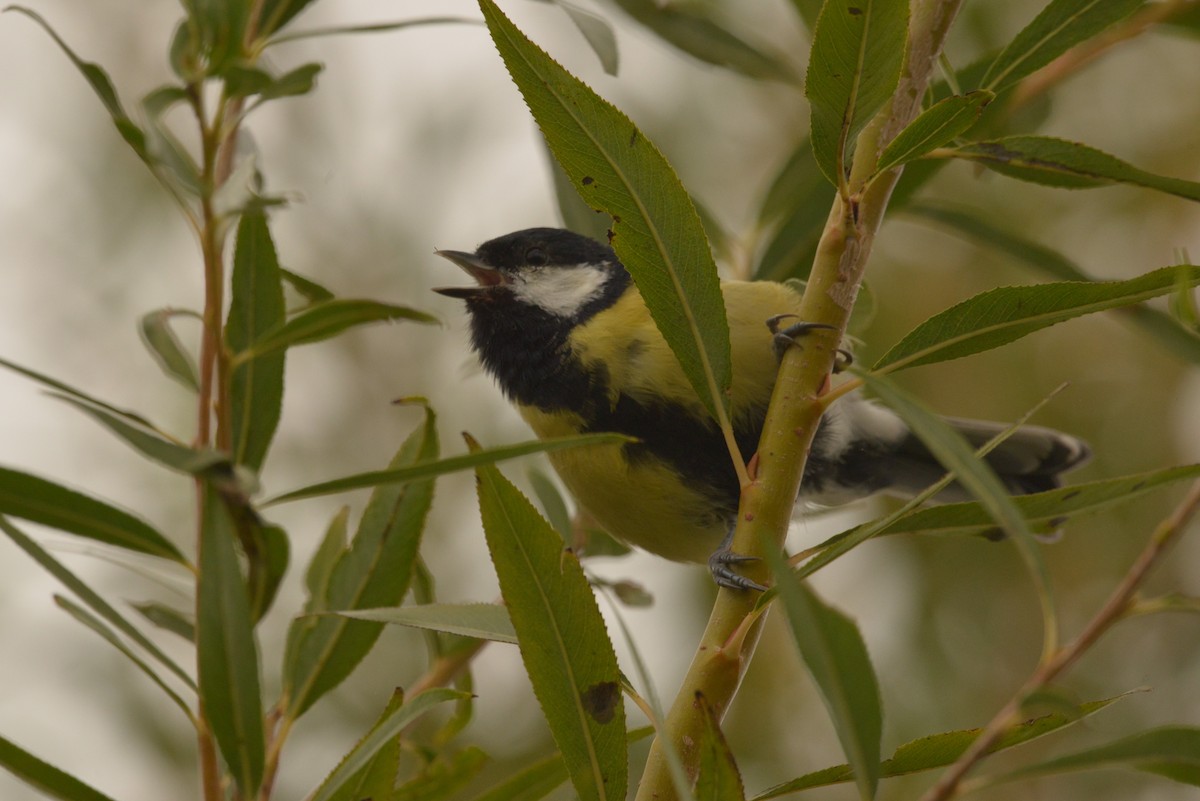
<point>560,325</point>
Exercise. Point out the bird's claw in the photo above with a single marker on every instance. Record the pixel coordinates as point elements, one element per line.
<point>784,337</point>
<point>721,565</point>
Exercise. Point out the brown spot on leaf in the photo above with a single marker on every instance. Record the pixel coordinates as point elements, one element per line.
<point>600,700</point>
<point>587,180</point>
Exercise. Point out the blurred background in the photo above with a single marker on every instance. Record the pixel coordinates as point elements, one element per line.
<point>418,140</point>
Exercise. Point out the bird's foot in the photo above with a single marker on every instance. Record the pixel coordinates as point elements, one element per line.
<point>784,337</point>
<point>721,564</point>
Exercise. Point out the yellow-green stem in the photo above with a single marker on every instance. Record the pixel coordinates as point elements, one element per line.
<point>726,647</point>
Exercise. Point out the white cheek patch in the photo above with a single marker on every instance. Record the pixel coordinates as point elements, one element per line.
<point>561,290</point>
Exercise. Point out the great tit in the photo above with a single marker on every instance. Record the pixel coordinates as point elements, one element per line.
<point>558,322</point>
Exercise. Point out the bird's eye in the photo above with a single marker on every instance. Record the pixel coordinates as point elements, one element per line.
<point>536,257</point>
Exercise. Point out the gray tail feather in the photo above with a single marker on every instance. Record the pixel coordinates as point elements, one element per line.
<point>1032,459</point>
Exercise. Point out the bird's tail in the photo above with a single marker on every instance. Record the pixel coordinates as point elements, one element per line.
<point>863,448</point>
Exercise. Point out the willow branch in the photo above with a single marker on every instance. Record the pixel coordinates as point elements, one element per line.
<point>727,646</point>
<point>1109,614</point>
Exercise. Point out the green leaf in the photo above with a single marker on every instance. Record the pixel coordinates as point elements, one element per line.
<point>1006,314</point>
<point>809,11</point>
<point>40,501</point>
<point>95,624</point>
<point>93,600</point>
<point>448,774</point>
<point>374,571</point>
<point>974,227</point>
<point>597,32</point>
<point>268,552</point>
<point>43,776</point>
<point>689,28</point>
<point>1069,165</point>
<point>246,81</point>
<point>227,654</point>
<point>382,27</point>
<point>563,642</point>
<point>219,30</point>
<point>166,348</point>
<point>941,123</point>
<point>278,13</point>
<point>376,776</point>
<point>718,778</point>
<point>149,442</point>
<point>857,53</point>
<point>938,750</point>
<point>307,288</point>
<point>481,621</point>
<point>798,201</point>
<point>382,733</point>
<point>257,307</point>
<point>77,394</point>
<point>837,658</point>
<point>1060,26</point>
<point>1041,510</point>
<point>1170,751</point>
<point>553,505</point>
<point>657,232</point>
<point>320,568</point>
<point>973,474</point>
<point>168,619</point>
<point>541,777</point>
<point>101,84</point>
<point>324,320</point>
<point>450,464</point>
<point>576,215</point>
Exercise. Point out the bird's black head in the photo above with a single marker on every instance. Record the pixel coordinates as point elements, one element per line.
<point>550,270</point>
<point>533,288</point>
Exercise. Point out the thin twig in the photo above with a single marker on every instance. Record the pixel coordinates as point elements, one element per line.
<point>1113,610</point>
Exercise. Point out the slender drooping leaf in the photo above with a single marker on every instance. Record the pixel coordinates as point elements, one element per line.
<point>322,321</point>
<point>227,654</point>
<point>78,394</point>
<point>40,501</point>
<point>836,656</point>
<point>43,776</point>
<point>1006,314</point>
<point>168,619</point>
<point>973,474</point>
<point>1172,752</point>
<point>166,348</point>
<point>1068,165</point>
<point>92,599</point>
<point>692,29</point>
<point>480,621</point>
<point>553,506</point>
<point>657,232</point>
<point>598,33</point>
<point>1060,26</point>
<point>938,125</point>
<point>564,645</point>
<point>256,386</point>
<point>101,84</point>
<point>378,27</point>
<point>797,204</point>
<point>450,464</point>
<point>149,442</point>
<point>939,750</point>
<point>307,288</point>
<point>373,571</point>
<point>857,53</point>
<point>98,626</point>
<point>382,733</point>
<point>376,776</point>
<point>718,778</point>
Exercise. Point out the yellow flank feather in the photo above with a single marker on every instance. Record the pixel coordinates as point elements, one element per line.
<point>679,523</point>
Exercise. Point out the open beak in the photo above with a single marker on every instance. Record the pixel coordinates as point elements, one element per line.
<point>485,276</point>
